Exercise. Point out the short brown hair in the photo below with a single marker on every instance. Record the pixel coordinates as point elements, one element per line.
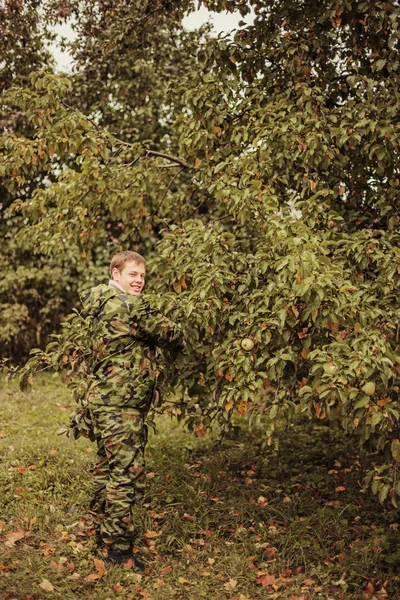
<point>119,260</point>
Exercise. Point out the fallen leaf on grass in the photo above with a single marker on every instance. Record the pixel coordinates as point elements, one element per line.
<point>340,488</point>
<point>145,595</point>
<point>129,564</point>
<point>151,534</point>
<point>21,470</point>
<point>3,568</point>
<point>165,571</point>
<point>308,582</point>
<point>14,536</point>
<point>230,585</point>
<point>117,587</point>
<point>158,584</point>
<point>215,498</point>
<point>265,580</point>
<point>46,585</point>
<point>183,581</point>
<point>262,501</point>
<point>100,570</point>
<point>189,517</point>
<point>2,525</point>
<point>155,515</point>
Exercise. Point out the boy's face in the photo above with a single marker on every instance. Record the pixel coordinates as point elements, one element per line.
<point>131,277</point>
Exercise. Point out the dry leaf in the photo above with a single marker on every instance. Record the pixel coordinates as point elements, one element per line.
<point>46,585</point>
<point>230,585</point>
<point>14,536</point>
<point>265,580</point>
<point>189,517</point>
<point>100,570</point>
<point>261,501</point>
<point>151,534</point>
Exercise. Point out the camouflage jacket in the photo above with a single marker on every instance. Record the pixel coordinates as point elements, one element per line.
<point>126,334</point>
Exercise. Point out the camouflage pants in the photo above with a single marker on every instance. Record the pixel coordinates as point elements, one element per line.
<point>119,474</point>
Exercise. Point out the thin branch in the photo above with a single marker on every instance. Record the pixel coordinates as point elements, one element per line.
<point>173,158</point>
<point>168,166</point>
<point>133,162</point>
<point>166,192</point>
<point>156,153</point>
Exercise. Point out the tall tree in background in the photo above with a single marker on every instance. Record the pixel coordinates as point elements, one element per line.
<point>273,210</point>
<point>35,291</point>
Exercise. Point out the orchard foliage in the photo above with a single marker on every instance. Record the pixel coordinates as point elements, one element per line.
<point>262,179</point>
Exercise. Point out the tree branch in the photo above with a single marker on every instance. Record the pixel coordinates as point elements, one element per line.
<point>172,158</point>
<point>166,192</point>
<point>160,154</point>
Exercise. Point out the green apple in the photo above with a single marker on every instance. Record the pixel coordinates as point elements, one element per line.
<point>247,344</point>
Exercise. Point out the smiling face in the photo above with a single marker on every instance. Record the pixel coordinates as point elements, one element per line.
<point>131,277</point>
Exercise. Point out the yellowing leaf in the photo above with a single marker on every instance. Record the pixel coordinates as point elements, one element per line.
<point>229,405</point>
<point>305,352</point>
<point>230,585</point>
<point>46,585</point>
<point>242,408</point>
<point>151,534</point>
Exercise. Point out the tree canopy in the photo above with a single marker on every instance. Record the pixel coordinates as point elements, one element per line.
<point>259,173</point>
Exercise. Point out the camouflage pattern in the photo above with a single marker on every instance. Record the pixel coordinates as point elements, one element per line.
<point>119,473</point>
<point>126,333</point>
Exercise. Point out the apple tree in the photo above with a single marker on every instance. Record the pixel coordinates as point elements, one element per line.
<point>265,191</point>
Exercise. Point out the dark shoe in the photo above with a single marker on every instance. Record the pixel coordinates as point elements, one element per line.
<point>125,557</point>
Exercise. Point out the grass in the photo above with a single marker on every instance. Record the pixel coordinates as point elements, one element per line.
<point>220,521</point>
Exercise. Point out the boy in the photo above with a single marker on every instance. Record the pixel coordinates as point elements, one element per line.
<point>126,332</point>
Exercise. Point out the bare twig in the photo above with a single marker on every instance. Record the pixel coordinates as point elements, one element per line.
<point>166,192</point>
<point>173,158</point>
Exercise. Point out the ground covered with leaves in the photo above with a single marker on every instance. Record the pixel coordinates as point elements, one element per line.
<point>229,520</point>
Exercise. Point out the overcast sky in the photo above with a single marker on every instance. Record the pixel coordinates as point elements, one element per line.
<point>222,22</point>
